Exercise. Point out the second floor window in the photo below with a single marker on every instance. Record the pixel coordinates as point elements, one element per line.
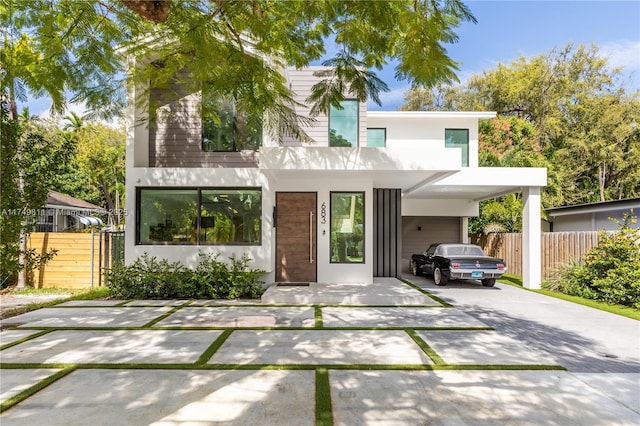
<point>226,128</point>
<point>458,138</point>
<point>376,137</point>
<point>343,124</point>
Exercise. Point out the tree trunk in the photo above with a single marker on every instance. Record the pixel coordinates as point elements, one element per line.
<point>152,10</point>
<point>22,272</point>
<point>602,177</point>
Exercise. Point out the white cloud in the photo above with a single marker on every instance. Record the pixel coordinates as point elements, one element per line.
<point>624,53</point>
<point>391,100</point>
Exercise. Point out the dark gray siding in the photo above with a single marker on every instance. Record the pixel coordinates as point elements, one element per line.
<point>175,136</point>
<point>387,233</point>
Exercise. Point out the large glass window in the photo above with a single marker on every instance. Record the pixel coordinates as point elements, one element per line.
<point>376,137</point>
<point>458,138</point>
<point>225,127</point>
<point>343,124</point>
<point>199,216</point>
<point>347,227</point>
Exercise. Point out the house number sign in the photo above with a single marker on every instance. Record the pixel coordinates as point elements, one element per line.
<point>323,213</point>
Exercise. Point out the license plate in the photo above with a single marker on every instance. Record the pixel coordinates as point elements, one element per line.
<point>476,274</point>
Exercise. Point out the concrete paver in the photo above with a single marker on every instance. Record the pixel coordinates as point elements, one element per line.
<point>83,317</point>
<point>319,347</point>
<point>623,388</point>
<point>157,303</point>
<point>169,397</point>
<point>89,303</point>
<point>471,398</point>
<point>398,317</point>
<point>580,338</point>
<point>482,347</point>
<point>601,351</point>
<point>238,316</point>
<point>121,346</point>
<point>15,381</point>
<point>382,292</point>
<point>10,336</point>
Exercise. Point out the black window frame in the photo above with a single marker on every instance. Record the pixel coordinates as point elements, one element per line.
<point>357,124</point>
<point>468,149</point>
<point>385,136</point>
<point>363,261</point>
<point>199,217</point>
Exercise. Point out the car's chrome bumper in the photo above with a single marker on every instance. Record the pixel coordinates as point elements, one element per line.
<point>470,274</point>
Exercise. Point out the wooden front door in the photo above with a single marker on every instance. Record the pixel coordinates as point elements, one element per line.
<point>296,236</point>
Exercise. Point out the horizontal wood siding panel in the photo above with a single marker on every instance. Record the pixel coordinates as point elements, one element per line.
<point>300,83</point>
<point>558,249</point>
<point>175,138</point>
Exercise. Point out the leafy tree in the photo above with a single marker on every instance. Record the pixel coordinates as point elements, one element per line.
<point>564,110</point>
<point>31,157</point>
<point>74,46</point>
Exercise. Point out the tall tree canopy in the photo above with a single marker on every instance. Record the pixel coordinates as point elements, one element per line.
<point>55,47</point>
<point>567,110</point>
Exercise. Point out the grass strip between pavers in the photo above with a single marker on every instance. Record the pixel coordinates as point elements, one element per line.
<point>426,293</point>
<point>223,328</point>
<point>161,317</point>
<point>206,355</point>
<point>25,339</point>
<point>16,399</point>
<point>324,411</point>
<point>317,313</point>
<point>431,353</point>
<point>291,367</point>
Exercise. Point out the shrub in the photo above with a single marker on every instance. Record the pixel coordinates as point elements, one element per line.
<point>610,271</point>
<point>150,278</point>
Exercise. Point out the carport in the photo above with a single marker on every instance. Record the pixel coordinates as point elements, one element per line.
<point>438,209</point>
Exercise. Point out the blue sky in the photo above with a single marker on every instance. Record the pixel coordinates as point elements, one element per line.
<point>509,28</point>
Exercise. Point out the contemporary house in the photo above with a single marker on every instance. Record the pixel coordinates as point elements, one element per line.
<point>592,216</point>
<point>371,189</point>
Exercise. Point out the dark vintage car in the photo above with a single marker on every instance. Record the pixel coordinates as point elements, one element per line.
<point>458,262</point>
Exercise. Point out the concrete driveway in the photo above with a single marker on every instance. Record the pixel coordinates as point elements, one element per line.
<point>388,354</point>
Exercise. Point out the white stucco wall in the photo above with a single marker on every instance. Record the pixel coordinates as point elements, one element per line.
<point>188,254</point>
<point>333,272</point>
<point>439,207</point>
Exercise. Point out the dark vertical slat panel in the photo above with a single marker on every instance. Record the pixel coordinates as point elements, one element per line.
<point>381,233</point>
<point>392,232</point>
<point>387,218</point>
<point>398,271</point>
<point>375,233</point>
<point>385,231</point>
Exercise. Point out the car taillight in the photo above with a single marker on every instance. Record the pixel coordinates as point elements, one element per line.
<point>455,265</point>
<point>500,265</point>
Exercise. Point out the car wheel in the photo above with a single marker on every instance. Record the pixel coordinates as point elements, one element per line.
<point>414,269</point>
<point>489,282</point>
<point>438,278</point>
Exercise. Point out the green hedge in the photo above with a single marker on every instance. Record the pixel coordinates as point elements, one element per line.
<point>610,272</point>
<point>150,278</point>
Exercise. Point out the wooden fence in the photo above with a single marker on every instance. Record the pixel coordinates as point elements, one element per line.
<point>78,262</point>
<point>558,248</point>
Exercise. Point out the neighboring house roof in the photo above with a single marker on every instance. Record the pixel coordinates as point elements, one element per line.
<point>58,200</point>
<point>604,206</point>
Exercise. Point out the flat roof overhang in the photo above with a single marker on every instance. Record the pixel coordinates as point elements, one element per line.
<point>418,176</point>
